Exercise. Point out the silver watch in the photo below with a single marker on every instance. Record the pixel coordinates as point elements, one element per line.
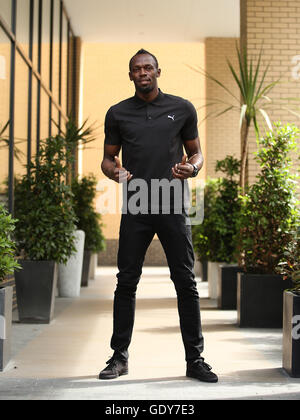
<point>196,171</point>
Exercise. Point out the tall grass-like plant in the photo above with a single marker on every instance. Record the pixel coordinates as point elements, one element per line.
<point>73,137</point>
<point>270,209</point>
<point>253,100</point>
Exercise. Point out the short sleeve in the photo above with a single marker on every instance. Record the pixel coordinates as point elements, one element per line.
<point>190,129</point>
<point>112,132</point>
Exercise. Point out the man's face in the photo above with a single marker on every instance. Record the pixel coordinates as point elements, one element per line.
<point>144,73</point>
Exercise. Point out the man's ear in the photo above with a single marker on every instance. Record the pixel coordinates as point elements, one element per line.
<point>130,77</point>
<point>158,72</point>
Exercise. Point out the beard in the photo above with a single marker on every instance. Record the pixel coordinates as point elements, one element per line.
<point>145,89</point>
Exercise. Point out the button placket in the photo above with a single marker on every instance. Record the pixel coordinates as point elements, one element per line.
<point>148,113</point>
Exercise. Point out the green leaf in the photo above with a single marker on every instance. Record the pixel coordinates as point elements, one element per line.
<point>267,119</point>
<point>243,113</point>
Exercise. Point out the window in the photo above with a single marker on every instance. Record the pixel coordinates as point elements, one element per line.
<point>34,79</point>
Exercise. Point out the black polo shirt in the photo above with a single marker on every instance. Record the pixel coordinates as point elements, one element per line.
<point>151,134</point>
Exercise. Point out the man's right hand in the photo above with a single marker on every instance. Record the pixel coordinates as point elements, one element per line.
<point>120,174</point>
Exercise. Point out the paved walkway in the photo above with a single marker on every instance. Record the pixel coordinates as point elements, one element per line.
<point>62,360</point>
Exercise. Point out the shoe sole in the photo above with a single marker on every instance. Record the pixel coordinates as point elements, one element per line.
<point>212,381</point>
<point>108,377</point>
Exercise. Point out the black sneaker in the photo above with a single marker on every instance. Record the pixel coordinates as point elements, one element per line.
<point>201,371</point>
<point>114,369</point>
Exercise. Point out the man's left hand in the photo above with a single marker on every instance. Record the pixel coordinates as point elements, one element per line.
<point>183,170</point>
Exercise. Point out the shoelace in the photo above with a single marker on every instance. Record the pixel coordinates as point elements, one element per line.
<point>202,363</point>
<point>111,360</point>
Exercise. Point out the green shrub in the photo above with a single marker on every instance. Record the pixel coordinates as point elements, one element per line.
<point>89,220</point>
<point>226,209</point>
<point>269,212</point>
<point>44,207</point>
<point>8,263</point>
<point>289,266</point>
<point>215,238</point>
<point>204,237</point>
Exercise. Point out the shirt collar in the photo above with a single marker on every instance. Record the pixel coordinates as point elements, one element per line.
<point>156,101</point>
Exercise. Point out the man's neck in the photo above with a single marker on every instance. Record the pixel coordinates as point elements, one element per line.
<point>148,97</point>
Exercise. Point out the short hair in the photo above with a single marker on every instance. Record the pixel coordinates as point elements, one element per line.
<point>140,52</point>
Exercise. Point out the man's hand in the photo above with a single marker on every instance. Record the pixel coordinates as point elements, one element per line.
<point>183,170</point>
<point>120,174</point>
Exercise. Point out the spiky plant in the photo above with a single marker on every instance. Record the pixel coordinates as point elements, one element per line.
<point>74,136</point>
<point>253,99</point>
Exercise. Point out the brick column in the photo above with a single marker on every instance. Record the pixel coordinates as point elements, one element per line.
<point>275,25</point>
<point>222,133</point>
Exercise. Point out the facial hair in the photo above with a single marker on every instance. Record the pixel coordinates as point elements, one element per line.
<point>146,89</point>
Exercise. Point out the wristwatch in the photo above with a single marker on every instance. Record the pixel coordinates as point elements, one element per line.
<point>196,171</point>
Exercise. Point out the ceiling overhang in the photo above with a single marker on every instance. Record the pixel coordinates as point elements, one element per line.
<point>133,21</point>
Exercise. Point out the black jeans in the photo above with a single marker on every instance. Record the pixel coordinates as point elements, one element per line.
<point>136,234</point>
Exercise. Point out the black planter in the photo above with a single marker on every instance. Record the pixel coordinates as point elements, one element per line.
<point>227,286</point>
<point>36,286</point>
<point>204,270</point>
<point>6,298</point>
<point>291,334</point>
<point>260,300</point>
<point>86,268</point>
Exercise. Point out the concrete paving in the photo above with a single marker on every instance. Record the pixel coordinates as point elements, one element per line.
<point>61,361</point>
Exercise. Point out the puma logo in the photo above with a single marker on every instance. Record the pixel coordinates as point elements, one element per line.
<point>172,117</point>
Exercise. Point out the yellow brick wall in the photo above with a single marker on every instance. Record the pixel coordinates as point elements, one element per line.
<point>222,133</point>
<point>275,25</point>
<point>106,82</point>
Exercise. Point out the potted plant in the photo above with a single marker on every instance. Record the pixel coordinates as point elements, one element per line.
<point>70,272</point>
<point>252,101</point>
<point>216,237</point>
<point>206,237</point>
<point>267,219</point>
<point>203,239</point>
<point>44,231</point>
<point>226,211</point>
<point>73,137</point>
<point>7,266</point>
<point>290,268</point>
<point>89,220</point>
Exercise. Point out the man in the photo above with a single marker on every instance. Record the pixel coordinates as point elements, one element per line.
<point>152,128</point>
